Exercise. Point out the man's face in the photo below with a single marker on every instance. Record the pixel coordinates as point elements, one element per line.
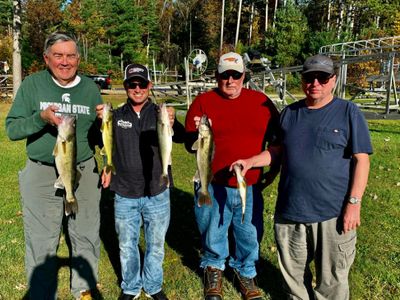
<point>230,83</point>
<point>138,90</point>
<point>318,86</point>
<point>63,60</point>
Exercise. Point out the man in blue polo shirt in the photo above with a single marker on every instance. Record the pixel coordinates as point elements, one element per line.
<point>324,153</point>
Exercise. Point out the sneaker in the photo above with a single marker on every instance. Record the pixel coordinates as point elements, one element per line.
<point>212,284</point>
<point>158,296</point>
<point>85,295</point>
<point>128,297</point>
<point>248,287</point>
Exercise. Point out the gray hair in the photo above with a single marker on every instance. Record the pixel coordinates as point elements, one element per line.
<point>57,37</point>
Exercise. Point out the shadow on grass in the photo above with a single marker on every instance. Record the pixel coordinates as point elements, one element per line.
<point>45,285</point>
<point>183,236</point>
<point>108,234</point>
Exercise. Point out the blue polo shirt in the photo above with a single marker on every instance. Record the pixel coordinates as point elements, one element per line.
<point>318,145</point>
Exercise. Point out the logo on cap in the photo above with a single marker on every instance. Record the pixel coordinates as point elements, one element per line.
<point>135,70</point>
<point>231,59</point>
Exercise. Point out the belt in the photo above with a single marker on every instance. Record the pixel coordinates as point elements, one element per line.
<point>44,163</point>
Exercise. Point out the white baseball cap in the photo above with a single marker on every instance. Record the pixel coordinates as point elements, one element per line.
<point>230,61</point>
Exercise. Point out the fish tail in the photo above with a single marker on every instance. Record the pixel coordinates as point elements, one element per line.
<point>204,199</point>
<point>71,207</point>
<point>164,179</point>
<point>110,168</point>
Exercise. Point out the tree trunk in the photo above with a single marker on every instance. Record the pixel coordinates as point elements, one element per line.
<point>275,9</point>
<point>251,22</point>
<point>266,16</point>
<point>109,52</point>
<point>328,18</point>
<point>340,18</point>
<point>238,23</point>
<point>17,68</point>
<point>221,41</point>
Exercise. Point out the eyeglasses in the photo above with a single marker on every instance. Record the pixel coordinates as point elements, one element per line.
<point>142,85</point>
<point>322,78</point>
<point>235,75</point>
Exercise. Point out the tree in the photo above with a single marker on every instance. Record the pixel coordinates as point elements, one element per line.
<point>6,17</point>
<point>39,24</point>
<point>285,42</point>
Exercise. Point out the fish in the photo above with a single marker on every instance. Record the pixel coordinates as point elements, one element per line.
<point>165,133</point>
<point>204,146</point>
<point>65,159</point>
<point>108,138</point>
<point>242,187</point>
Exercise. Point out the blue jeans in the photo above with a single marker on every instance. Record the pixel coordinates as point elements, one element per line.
<point>214,222</point>
<point>154,212</point>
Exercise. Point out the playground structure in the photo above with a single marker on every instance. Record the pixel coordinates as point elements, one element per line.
<point>5,82</point>
<point>383,85</point>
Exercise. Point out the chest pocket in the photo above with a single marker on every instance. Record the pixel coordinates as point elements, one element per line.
<point>331,138</point>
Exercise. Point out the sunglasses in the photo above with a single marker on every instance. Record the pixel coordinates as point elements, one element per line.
<point>235,75</point>
<point>322,78</point>
<point>142,85</point>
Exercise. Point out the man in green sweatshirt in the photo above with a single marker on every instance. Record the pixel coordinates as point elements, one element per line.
<point>37,110</point>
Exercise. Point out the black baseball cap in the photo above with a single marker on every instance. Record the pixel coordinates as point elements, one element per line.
<point>318,63</point>
<point>136,71</point>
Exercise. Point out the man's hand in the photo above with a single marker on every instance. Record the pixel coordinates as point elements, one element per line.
<point>48,115</point>
<point>197,121</point>
<point>245,163</point>
<point>105,178</point>
<point>99,111</point>
<point>351,217</point>
<point>171,115</point>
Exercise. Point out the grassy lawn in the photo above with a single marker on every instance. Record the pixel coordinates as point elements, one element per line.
<point>374,275</point>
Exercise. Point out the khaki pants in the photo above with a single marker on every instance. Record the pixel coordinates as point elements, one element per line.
<point>43,213</point>
<point>324,243</point>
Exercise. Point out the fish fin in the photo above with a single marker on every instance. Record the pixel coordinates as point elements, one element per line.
<point>164,179</point>
<point>77,178</point>
<point>55,150</point>
<point>196,177</point>
<point>195,145</point>
<point>59,183</point>
<point>204,199</point>
<point>103,151</point>
<point>71,208</point>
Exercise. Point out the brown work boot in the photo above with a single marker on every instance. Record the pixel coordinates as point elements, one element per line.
<point>248,287</point>
<point>212,284</point>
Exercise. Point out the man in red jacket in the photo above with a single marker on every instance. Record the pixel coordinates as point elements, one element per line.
<point>241,123</point>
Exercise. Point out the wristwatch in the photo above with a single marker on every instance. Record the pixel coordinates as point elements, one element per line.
<point>354,200</point>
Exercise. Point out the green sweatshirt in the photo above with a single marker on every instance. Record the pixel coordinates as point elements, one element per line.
<point>35,94</point>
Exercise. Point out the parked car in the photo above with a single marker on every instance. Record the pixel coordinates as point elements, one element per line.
<point>102,81</point>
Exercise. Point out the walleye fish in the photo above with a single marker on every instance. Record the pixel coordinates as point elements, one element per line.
<point>165,133</point>
<point>242,187</point>
<point>107,136</point>
<point>205,151</point>
<point>65,159</point>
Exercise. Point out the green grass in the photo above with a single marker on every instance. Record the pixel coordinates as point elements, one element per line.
<point>374,275</point>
